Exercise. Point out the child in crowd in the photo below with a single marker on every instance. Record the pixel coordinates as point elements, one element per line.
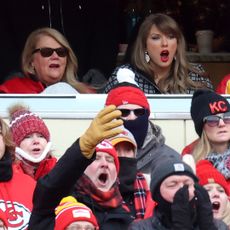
<point>32,139</point>
<point>214,182</point>
<point>70,215</point>
<point>16,188</point>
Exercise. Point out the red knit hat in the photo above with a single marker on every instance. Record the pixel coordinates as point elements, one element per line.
<point>70,210</point>
<point>207,174</point>
<point>23,123</point>
<point>129,94</point>
<point>107,147</point>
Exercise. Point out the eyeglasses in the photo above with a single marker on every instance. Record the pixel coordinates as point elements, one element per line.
<point>47,52</point>
<point>214,120</point>
<point>138,112</point>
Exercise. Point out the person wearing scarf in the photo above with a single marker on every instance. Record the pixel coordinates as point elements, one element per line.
<point>98,188</point>
<point>133,185</point>
<point>210,113</point>
<point>32,139</point>
<point>95,173</point>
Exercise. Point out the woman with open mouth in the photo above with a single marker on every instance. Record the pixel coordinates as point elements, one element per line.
<point>158,62</point>
<point>214,182</point>
<point>47,60</point>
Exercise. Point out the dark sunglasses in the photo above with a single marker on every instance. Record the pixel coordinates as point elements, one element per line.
<point>214,120</point>
<point>137,112</point>
<point>47,52</point>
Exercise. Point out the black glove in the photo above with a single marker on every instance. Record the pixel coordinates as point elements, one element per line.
<point>204,209</point>
<point>180,210</point>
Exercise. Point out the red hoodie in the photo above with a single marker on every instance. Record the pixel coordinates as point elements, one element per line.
<point>16,199</point>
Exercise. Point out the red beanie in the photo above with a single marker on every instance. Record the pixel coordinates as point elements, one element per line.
<point>107,147</point>
<point>70,210</point>
<point>23,123</point>
<point>207,174</point>
<point>123,95</point>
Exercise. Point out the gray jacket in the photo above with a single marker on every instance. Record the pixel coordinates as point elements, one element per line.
<point>154,146</point>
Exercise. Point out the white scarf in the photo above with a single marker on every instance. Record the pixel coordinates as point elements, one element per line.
<point>22,154</point>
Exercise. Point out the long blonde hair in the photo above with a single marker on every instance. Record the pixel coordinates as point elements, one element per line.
<point>202,148</point>
<point>7,138</point>
<point>178,81</point>
<point>70,74</point>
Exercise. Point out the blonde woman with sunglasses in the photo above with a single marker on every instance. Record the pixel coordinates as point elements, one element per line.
<point>47,59</point>
<point>210,113</point>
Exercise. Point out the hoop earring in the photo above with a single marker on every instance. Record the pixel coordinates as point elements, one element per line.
<point>147,58</point>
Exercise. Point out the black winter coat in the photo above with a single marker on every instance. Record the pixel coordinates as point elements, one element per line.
<point>108,218</point>
<point>58,183</point>
<point>154,223</point>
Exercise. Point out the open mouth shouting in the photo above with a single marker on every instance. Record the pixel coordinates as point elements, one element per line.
<point>104,181</point>
<point>164,55</point>
<point>103,177</point>
<point>215,206</point>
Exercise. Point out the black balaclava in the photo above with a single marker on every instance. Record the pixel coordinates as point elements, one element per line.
<point>139,128</point>
<point>127,175</point>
